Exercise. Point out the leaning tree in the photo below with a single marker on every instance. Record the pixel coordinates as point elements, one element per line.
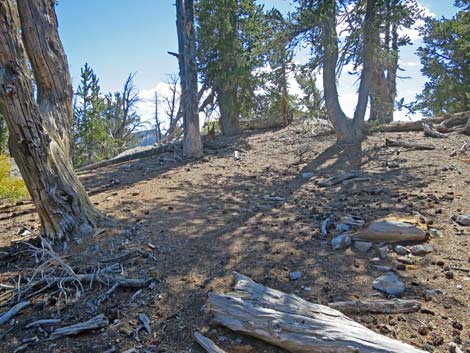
<point>39,116</point>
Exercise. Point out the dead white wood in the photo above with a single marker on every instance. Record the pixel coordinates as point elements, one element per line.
<point>94,323</point>
<point>394,306</point>
<point>43,322</point>
<point>337,179</point>
<point>431,132</point>
<point>288,321</point>
<point>324,226</point>
<point>206,343</point>
<point>13,311</point>
<point>408,145</point>
<point>390,231</point>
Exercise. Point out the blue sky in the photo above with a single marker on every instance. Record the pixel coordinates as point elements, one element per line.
<point>117,37</point>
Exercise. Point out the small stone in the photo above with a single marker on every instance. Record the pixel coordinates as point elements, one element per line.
<point>222,339</point>
<point>389,284</point>
<point>307,175</point>
<point>343,227</point>
<point>341,242</point>
<point>463,220</point>
<point>401,250</point>
<point>294,276</point>
<point>405,260</point>
<point>449,274</point>
<point>457,325</point>
<point>362,246</point>
<point>435,233</point>
<point>383,252</point>
<point>421,250</point>
<point>382,268</point>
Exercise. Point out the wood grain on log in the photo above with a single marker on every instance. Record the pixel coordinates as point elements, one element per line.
<point>94,323</point>
<point>294,324</point>
<point>394,306</point>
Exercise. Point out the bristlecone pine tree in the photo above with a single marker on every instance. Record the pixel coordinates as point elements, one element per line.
<point>40,122</point>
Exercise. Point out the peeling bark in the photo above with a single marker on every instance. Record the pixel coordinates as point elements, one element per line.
<point>40,129</point>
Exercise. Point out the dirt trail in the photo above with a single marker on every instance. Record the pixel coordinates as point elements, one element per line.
<point>199,221</point>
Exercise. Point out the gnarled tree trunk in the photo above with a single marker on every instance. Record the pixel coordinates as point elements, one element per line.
<point>40,129</point>
<point>192,144</point>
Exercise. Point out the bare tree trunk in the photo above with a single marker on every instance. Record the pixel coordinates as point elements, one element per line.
<point>229,110</point>
<point>40,130</point>
<point>192,144</point>
<point>341,123</point>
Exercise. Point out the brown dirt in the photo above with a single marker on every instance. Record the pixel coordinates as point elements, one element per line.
<point>198,221</point>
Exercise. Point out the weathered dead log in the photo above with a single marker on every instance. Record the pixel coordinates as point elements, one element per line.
<point>294,324</point>
<point>13,311</point>
<point>208,345</point>
<point>455,120</point>
<point>394,306</point>
<point>431,132</point>
<point>337,179</point>
<point>272,122</point>
<point>408,145</point>
<point>445,122</point>
<point>94,323</point>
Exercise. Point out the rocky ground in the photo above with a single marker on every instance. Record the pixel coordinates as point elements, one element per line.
<point>253,205</point>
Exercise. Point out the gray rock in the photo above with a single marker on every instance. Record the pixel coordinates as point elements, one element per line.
<point>435,233</point>
<point>383,252</point>
<point>463,220</point>
<point>389,284</point>
<point>294,276</point>
<point>341,242</point>
<point>362,246</point>
<point>421,250</point>
<point>342,227</point>
<point>405,260</point>
<point>307,175</point>
<point>401,250</point>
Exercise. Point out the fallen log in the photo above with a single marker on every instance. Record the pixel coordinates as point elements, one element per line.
<point>431,132</point>
<point>394,306</point>
<point>271,122</point>
<point>208,345</point>
<point>288,321</point>
<point>94,323</point>
<point>443,123</point>
<point>408,145</point>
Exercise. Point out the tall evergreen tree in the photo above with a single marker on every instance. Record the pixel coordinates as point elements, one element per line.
<point>445,59</point>
<point>90,127</point>
<point>228,50</point>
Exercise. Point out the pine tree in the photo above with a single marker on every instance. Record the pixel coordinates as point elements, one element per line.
<point>445,56</point>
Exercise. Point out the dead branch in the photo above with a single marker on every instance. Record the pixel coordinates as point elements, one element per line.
<point>208,345</point>
<point>294,324</point>
<point>431,132</point>
<point>337,179</point>
<point>13,311</point>
<point>408,145</point>
<point>43,322</point>
<point>394,306</point>
<point>95,323</point>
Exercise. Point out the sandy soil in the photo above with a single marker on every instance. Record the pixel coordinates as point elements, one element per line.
<point>195,222</point>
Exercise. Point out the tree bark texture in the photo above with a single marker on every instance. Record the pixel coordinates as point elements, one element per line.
<point>40,129</point>
<point>192,144</point>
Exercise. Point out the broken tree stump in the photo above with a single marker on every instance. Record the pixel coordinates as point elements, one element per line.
<point>431,132</point>
<point>288,321</point>
<point>394,306</point>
